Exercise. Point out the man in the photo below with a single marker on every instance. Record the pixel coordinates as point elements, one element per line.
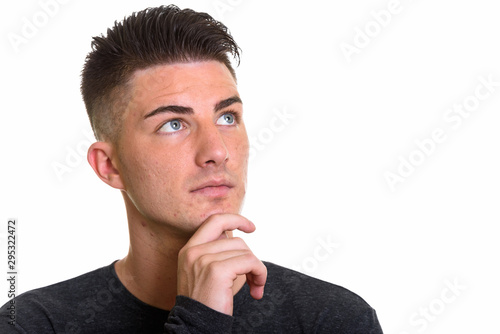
<point>162,99</point>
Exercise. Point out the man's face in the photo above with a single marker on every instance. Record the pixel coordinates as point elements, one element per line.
<point>183,151</point>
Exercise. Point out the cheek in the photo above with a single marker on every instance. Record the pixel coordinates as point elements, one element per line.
<point>149,175</point>
<point>162,172</point>
<point>239,163</point>
<point>241,148</point>
<point>156,189</point>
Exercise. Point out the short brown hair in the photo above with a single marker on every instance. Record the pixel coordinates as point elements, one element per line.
<point>154,36</point>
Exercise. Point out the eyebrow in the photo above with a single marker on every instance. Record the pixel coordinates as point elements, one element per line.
<point>227,102</point>
<point>189,111</point>
<point>173,109</point>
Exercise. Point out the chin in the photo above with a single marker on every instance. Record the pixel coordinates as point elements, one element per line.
<point>214,210</point>
<point>205,215</point>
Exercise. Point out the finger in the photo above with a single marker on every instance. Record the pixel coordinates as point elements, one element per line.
<point>216,247</point>
<point>237,262</point>
<point>215,260</point>
<point>247,264</point>
<point>256,284</point>
<point>218,224</point>
<point>190,256</point>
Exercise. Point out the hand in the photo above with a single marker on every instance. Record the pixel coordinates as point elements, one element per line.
<point>210,263</point>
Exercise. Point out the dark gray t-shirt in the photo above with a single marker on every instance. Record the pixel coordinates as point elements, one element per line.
<point>97,302</point>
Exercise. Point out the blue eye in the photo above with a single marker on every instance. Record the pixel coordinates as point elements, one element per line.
<point>226,119</point>
<point>172,126</point>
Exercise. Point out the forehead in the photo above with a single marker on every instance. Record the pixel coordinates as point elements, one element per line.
<point>176,79</point>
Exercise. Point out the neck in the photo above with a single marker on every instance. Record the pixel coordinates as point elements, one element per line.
<point>149,271</point>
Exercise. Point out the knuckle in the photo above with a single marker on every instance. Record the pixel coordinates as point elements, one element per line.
<point>264,268</point>
<point>240,242</point>
<point>201,262</point>
<point>189,256</point>
<point>247,254</point>
<point>213,268</point>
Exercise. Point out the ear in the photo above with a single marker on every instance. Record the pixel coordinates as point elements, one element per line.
<point>99,157</point>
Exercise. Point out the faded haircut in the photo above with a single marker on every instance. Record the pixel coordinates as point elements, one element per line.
<point>154,36</point>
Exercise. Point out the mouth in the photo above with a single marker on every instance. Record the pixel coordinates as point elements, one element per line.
<point>213,188</point>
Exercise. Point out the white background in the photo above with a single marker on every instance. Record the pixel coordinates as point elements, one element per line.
<point>319,178</point>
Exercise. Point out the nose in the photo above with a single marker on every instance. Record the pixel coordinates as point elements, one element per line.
<point>211,148</point>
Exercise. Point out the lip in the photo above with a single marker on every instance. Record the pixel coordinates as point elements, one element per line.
<point>214,188</point>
